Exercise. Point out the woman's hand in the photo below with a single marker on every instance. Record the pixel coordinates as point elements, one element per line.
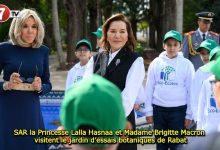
<point>187,123</point>
<point>14,79</point>
<point>37,84</point>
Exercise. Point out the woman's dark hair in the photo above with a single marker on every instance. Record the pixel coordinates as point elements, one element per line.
<point>118,17</point>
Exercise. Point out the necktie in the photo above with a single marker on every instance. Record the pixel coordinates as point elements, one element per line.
<point>203,37</point>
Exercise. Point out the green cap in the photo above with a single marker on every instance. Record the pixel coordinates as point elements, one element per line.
<point>93,101</point>
<point>207,44</point>
<point>215,56</point>
<point>215,53</point>
<point>84,42</point>
<point>214,67</point>
<point>98,33</point>
<point>173,34</point>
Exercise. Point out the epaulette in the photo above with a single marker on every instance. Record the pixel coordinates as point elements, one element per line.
<point>189,33</point>
<point>214,33</point>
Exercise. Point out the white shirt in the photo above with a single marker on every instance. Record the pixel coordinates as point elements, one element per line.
<point>75,74</point>
<point>89,68</point>
<point>168,83</point>
<point>201,33</point>
<point>133,82</point>
<point>112,56</point>
<point>141,96</point>
<point>208,117</point>
<point>198,79</point>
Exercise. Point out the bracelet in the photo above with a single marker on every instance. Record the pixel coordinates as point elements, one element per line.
<point>5,86</point>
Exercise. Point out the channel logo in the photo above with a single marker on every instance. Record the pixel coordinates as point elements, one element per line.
<point>6,13</point>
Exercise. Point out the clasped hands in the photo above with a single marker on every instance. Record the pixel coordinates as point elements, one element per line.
<point>15,79</point>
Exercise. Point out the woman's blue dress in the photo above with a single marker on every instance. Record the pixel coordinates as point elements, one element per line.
<point>21,109</point>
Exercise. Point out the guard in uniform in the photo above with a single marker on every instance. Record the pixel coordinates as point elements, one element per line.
<point>193,39</point>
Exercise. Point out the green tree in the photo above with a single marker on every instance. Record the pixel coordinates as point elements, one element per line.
<point>4,28</point>
<point>190,9</point>
<point>57,37</point>
<point>136,11</point>
<point>93,23</point>
<point>106,8</point>
<point>215,8</point>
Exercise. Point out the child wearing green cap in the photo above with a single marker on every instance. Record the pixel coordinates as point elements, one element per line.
<point>167,89</point>
<point>83,53</point>
<point>208,113</point>
<point>204,50</point>
<point>98,34</point>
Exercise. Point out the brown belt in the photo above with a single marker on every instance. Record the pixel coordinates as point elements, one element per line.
<point>23,87</point>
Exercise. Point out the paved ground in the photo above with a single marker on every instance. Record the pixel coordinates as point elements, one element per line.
<point>58,78</point>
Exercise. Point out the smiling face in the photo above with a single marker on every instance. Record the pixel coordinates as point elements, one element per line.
<point>83,53</point>
<point>29,31</point>
<point>172,47</point>
<point>117,35</point>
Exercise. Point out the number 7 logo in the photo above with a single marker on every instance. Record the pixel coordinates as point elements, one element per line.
<point>4,13</point>
<point>1,12</point>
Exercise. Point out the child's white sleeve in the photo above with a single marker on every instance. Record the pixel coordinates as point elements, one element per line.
<point>149,90</point>
<point>194,93</point>
<point>68,80</point>
<point>201,107</point>
<point>89,68</point>
<point>141,96</point>
<point>189,79</point>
